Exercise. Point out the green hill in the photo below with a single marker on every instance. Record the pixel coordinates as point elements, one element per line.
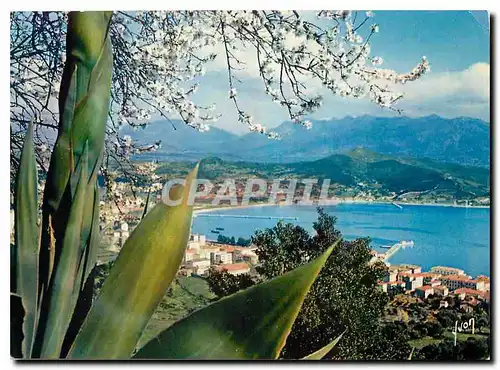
<point>360,166</point>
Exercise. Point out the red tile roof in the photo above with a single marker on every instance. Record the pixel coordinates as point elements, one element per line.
<point>484,278</point>
<point>420,274</point>
<point>425,287</point>
<point>458,278</point>
<point>440,287</point>
<point>233,267</point>
<point>468,291</point>
<point>405,273</point>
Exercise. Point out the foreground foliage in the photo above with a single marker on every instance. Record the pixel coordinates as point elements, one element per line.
<point>345,296</point>
<point>54,313</point>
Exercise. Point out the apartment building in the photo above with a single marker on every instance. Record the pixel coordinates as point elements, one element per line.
<point>443,270</point>
<point>424,291</point>
<point>454,282</point>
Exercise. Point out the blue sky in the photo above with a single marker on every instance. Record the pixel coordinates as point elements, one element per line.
<point>455,42</point>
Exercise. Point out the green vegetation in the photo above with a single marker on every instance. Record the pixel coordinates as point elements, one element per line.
<point>359,172</point>
<point>222,283</point>
<point>52,277</point>
<point>242,242</point>
<point>472,348</point>
<point>430,327</point>
<point>425,341</point>
<point>253,323</point>
<point>55,310</point>
<point>185,295</point>
<point>345,296</point>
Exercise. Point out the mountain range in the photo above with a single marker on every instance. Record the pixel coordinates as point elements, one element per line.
<point>355,169</point>
<point>459,140</point>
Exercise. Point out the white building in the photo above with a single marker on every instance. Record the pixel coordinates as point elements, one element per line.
<point>485,280</point>
<point>204,253</point>
<point>443,270</point>
<point>200,266</point>
<point>244,254</point>
<point>193,245</point>
<point>123,237</point>
<point>424,291</point>
<point>221,258</point>
<point>189,255</point>
<point>441,290</point>
<point>458,281</point>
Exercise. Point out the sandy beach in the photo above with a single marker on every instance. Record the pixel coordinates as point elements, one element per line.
<point>329,203</point>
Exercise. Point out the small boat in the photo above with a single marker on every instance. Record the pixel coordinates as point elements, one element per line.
<point>402,243</point>
<point>219,228</point>
<point>215,231</point>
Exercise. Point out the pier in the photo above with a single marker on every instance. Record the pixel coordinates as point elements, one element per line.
<point>246,216</point>
<point>393,250</point>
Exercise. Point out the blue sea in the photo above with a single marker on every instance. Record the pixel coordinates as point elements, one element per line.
<point>449,236</point>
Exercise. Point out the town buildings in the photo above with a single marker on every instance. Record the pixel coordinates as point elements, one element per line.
<point>454,282</point>
<point>463,293</point>
<point>201,254</point>
<point>409,279</point>
<point>443,270</point>
<point>424,291</point>
<point>235,268</point>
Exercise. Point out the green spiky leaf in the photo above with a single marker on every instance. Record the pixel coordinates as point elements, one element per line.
<point>65,282</point>
<point>26,239</point>
<point>84,104</point>
<point>251,324</point>
<point>137,282</point>
<point>322,352</point>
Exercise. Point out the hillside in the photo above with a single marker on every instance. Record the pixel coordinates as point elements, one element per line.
<point>358,170</point>
<point>460,140</point>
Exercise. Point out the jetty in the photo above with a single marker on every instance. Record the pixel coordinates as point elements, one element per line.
<point>393,250</point>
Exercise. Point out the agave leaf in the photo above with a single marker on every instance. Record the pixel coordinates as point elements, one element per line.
<point>251,324</point>
<point>94,238</point>
<point>137,282</point>
<point>26,238</point>
<point>64,281</point>
<point>92,53</point>
<point>322,352</point>
<point>83,106</point>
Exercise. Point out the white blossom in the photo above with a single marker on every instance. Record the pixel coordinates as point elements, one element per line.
<point>162,56</point>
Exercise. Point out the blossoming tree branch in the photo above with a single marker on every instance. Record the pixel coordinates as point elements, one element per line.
<point>161,56</point>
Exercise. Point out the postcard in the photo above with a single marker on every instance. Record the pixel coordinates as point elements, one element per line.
<point>250,185</point>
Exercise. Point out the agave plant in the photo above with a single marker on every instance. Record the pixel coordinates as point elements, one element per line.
<point>52,274</point>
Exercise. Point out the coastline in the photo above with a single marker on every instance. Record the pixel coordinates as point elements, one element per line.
<point>219,208</point>
<point>330,203</point>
